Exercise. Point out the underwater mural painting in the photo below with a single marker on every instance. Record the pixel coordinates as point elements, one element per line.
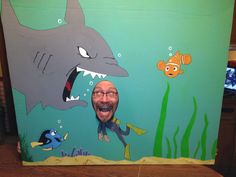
<point>169,94</point>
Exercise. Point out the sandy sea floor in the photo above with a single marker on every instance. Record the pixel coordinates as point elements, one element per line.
<point>94,160</point>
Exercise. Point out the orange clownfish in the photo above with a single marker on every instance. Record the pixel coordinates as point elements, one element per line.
<point>173,66</point>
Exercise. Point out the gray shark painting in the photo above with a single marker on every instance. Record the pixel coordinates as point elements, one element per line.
<point>44,64</point>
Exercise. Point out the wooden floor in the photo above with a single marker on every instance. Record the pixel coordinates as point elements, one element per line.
<point>10,166</point>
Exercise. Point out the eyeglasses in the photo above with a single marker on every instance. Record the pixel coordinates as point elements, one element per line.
<point>109,94</point>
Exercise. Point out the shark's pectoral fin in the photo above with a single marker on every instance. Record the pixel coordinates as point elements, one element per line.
<point>31,102</point>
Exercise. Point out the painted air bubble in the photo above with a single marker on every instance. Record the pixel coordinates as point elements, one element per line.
<point>59,122</point>
<point>170,49</point>
<point>88,90</point>
<point>59,21</point>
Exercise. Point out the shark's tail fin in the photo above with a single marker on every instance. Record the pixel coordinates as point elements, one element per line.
<point>9,17</point>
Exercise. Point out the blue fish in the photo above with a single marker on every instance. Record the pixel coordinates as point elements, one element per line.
<point>49,140</point>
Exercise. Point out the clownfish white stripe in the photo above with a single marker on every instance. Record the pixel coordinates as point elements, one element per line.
<point>172,64</point>
<point>182,59</point>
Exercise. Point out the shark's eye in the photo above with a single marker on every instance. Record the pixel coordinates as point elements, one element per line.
<point>83,52</point>
<point>53,133</point>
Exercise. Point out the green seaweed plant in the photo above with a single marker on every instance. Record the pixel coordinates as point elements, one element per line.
<point>188,130</point>
<point>157,150</point>
<point>204,138</point>
<point>213,149</point>
<point>185,140</point>
<point>197,149</point>
<point>168,148</point>
<point>175,142</point>
<point>25,155</point>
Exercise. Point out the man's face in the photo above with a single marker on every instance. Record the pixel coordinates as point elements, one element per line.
<point>105,100</point>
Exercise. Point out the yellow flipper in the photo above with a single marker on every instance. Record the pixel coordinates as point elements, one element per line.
<point>127,153</point>
<point>137,130</point>
<point>34,144</point>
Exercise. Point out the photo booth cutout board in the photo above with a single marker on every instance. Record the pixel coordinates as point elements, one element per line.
<point>167,60</point>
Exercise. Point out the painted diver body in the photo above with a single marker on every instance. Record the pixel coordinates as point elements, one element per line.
<point>114,125</point>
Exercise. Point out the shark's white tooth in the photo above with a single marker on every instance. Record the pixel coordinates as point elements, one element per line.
<point>77,98</point>
<point>72,98</point>
<point>99,75</point>
<point>86,73</point>
<point>93,74</point>
<point>78,69</point>
<point>104,75</point>
<point>67,99</point>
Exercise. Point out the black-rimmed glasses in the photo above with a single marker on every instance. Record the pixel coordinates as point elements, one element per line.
<point>109,94</point>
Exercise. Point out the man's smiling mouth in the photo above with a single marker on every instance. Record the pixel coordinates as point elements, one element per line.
<point>105,108</point>
<point>66,96</point>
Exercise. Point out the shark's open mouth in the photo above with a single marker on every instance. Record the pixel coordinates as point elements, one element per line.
<point>70,81</point>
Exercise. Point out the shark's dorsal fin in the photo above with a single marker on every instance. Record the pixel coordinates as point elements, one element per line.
<point>74,15</point>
